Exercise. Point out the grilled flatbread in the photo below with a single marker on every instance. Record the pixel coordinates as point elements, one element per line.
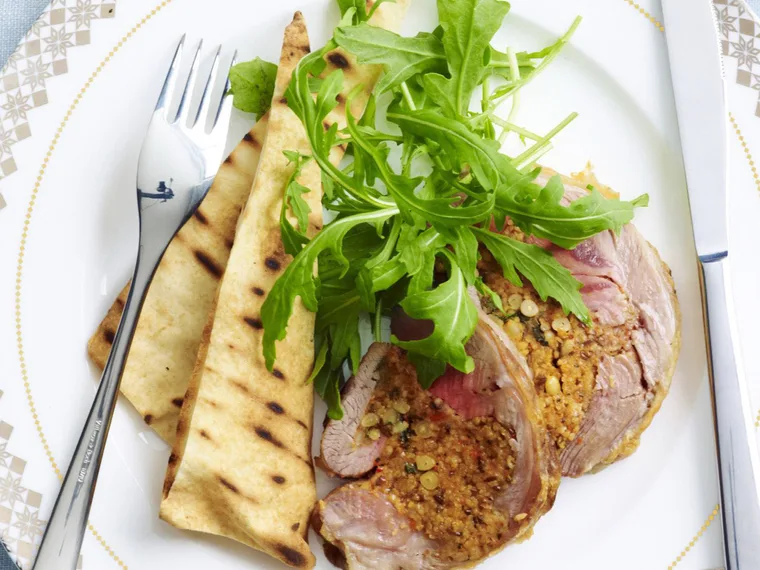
<point>241,465</point>
<point>176,309</point>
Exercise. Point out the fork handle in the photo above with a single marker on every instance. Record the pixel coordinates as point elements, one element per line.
<point>63,537</point>
<point>738,464</point>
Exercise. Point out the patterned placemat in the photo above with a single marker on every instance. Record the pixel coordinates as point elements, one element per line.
<point>740,39</point>
<point>20,527</point>
<point>41,55</point>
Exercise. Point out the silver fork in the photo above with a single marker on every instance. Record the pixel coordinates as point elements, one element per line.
<point>178,162</point>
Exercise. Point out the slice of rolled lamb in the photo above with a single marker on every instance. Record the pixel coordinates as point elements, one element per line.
<point>446,485</point>
<point>599,386</point>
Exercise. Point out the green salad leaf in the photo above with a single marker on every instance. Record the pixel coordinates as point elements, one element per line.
<point>252,85</point>
<point>428,369</point>
<point>350,190</point>
<point>293,239</point>
<point>327,385</point>
<point>468,27</point>
<point>465,247</point>
<point>454,317</point>
<point>339,315</point>
<point>486,291</point>
<point>298,278</point>
<point>546,274</point>
<point>539,212</point>
<point>401,57</point>
<point>422,188</point>
<point>461,145</point>
<point>357,9</point>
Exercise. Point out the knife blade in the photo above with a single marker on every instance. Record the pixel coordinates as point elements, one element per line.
<point>700,94</point>
<point>699,91</point>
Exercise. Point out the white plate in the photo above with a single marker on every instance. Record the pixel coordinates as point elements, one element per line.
<point>79,247</point>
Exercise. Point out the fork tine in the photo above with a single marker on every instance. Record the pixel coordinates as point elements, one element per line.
<point>207,91</point>
<point>224,106</point>
<point>167,90</point>
<point>187,92</point>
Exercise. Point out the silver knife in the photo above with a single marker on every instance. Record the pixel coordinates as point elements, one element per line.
<point>697,73</point>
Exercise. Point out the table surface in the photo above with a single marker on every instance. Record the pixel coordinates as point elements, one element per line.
<point>16,17</point>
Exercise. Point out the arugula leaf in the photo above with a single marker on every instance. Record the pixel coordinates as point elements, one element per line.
<point>402,202</point>
<point>401,188</point>
<point>466,252</point>
<point>375,6</point>
<point>379,278</point>
<point>437,88</point>
<point>313,114</point>
<point>340,314</point>
<point>294,239</point>
<point>416,258</point>
<point>422,280</point>
<point>401,57</point>
<point>548,277</point>
<point>359,7</point>
<point>428,369</point>
<point>414,93</point>
<point>326,380</point>
<point>298,278</point>
<point>327,386</point>
<point>460,143</point>
<point>366,277</point>
<point>320,358</point>
<point>468,27</point>
<point>346,341</point>
<point>412,254</point>
<point>546,55</point>
<point>357,246</point>
<point>540,213</point>
<point>499,64</point>
<point>454,316</point>
<point>486,291</point>
<point>252,86</point>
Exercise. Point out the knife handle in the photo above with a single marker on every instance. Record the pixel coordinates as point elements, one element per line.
<point>738,463</point>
